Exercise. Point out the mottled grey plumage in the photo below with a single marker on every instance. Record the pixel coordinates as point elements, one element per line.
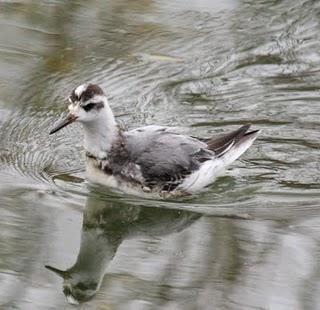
<point>153,158</point>
<point>164,157</point>
<point>156,157</point>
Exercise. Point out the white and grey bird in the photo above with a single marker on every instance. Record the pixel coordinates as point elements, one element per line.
<point>151,160</point>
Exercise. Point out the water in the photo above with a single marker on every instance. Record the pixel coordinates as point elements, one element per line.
<point>250,242</point>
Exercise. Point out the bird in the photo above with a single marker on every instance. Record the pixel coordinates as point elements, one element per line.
<point>152,160</point>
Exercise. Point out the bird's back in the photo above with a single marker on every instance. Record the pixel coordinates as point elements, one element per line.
<point>164,157</point>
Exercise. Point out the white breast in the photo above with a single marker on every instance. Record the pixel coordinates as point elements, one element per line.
<point>96,175</point>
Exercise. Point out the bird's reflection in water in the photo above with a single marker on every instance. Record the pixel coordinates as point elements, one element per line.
<point>105,226</point>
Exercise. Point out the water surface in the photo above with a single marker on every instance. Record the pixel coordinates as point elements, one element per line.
<point>251,241</point>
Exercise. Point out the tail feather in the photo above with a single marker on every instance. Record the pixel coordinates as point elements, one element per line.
<point>227,149</point>
<point>222,144</point>
<point>239,147</point>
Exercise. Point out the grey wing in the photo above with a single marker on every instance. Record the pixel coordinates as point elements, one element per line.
<point>140,139</point>
<point>166,158</point>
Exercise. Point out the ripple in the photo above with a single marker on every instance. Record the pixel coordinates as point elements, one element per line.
<point>265,80</point>
<point>206,67</point>
<point>27,148</point>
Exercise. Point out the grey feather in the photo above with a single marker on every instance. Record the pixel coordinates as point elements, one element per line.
<point>158,158</point>
<point>221,144</point>
<point>164,157</point>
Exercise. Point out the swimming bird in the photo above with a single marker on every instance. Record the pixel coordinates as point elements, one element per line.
<point>151,160</point>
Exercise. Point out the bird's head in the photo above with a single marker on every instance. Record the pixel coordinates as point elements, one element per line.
<point>86,103</point>
<point>78,286</point>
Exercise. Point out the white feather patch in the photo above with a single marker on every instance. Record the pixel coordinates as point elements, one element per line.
<point>80,89</point>
<point>71,300</point>
<point>199,179</point>
<point>211,169</point>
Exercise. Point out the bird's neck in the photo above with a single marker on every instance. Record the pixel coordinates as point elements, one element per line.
<point>96,252</point>
<point>100,134</point>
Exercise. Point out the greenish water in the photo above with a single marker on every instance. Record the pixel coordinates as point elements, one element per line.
<point>250,242</point>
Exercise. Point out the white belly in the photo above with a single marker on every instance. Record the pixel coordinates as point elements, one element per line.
<point>196,182</point>
<point>96,175</point>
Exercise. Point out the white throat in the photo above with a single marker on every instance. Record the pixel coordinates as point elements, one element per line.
<point>100,133</point>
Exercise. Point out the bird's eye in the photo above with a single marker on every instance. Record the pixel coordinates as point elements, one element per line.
<point>88,106</point>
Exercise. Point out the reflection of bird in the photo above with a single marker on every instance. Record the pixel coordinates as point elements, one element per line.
<point>105,226</point>
<point>149,159</point>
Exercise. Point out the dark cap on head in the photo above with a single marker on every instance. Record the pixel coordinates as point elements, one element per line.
<point>86,93</point>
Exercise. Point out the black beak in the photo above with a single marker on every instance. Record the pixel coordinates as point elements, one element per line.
<point>61,273</point>
<point>68,120</point>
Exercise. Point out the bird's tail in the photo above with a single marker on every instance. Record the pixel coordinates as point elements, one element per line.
<point>231,146</point>
<point>227,149</point>
<point>239,147</point>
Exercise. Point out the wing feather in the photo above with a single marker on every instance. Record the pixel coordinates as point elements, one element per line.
<point>166,158</point>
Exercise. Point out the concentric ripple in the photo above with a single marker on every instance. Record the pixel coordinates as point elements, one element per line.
<point>207,66</point>
<point>27,149</point>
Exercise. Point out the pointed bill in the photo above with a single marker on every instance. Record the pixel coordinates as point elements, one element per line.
<point>61,273</point>
<point>65,122</point>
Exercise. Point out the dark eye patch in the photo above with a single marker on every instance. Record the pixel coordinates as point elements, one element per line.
<point>89,106</point>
